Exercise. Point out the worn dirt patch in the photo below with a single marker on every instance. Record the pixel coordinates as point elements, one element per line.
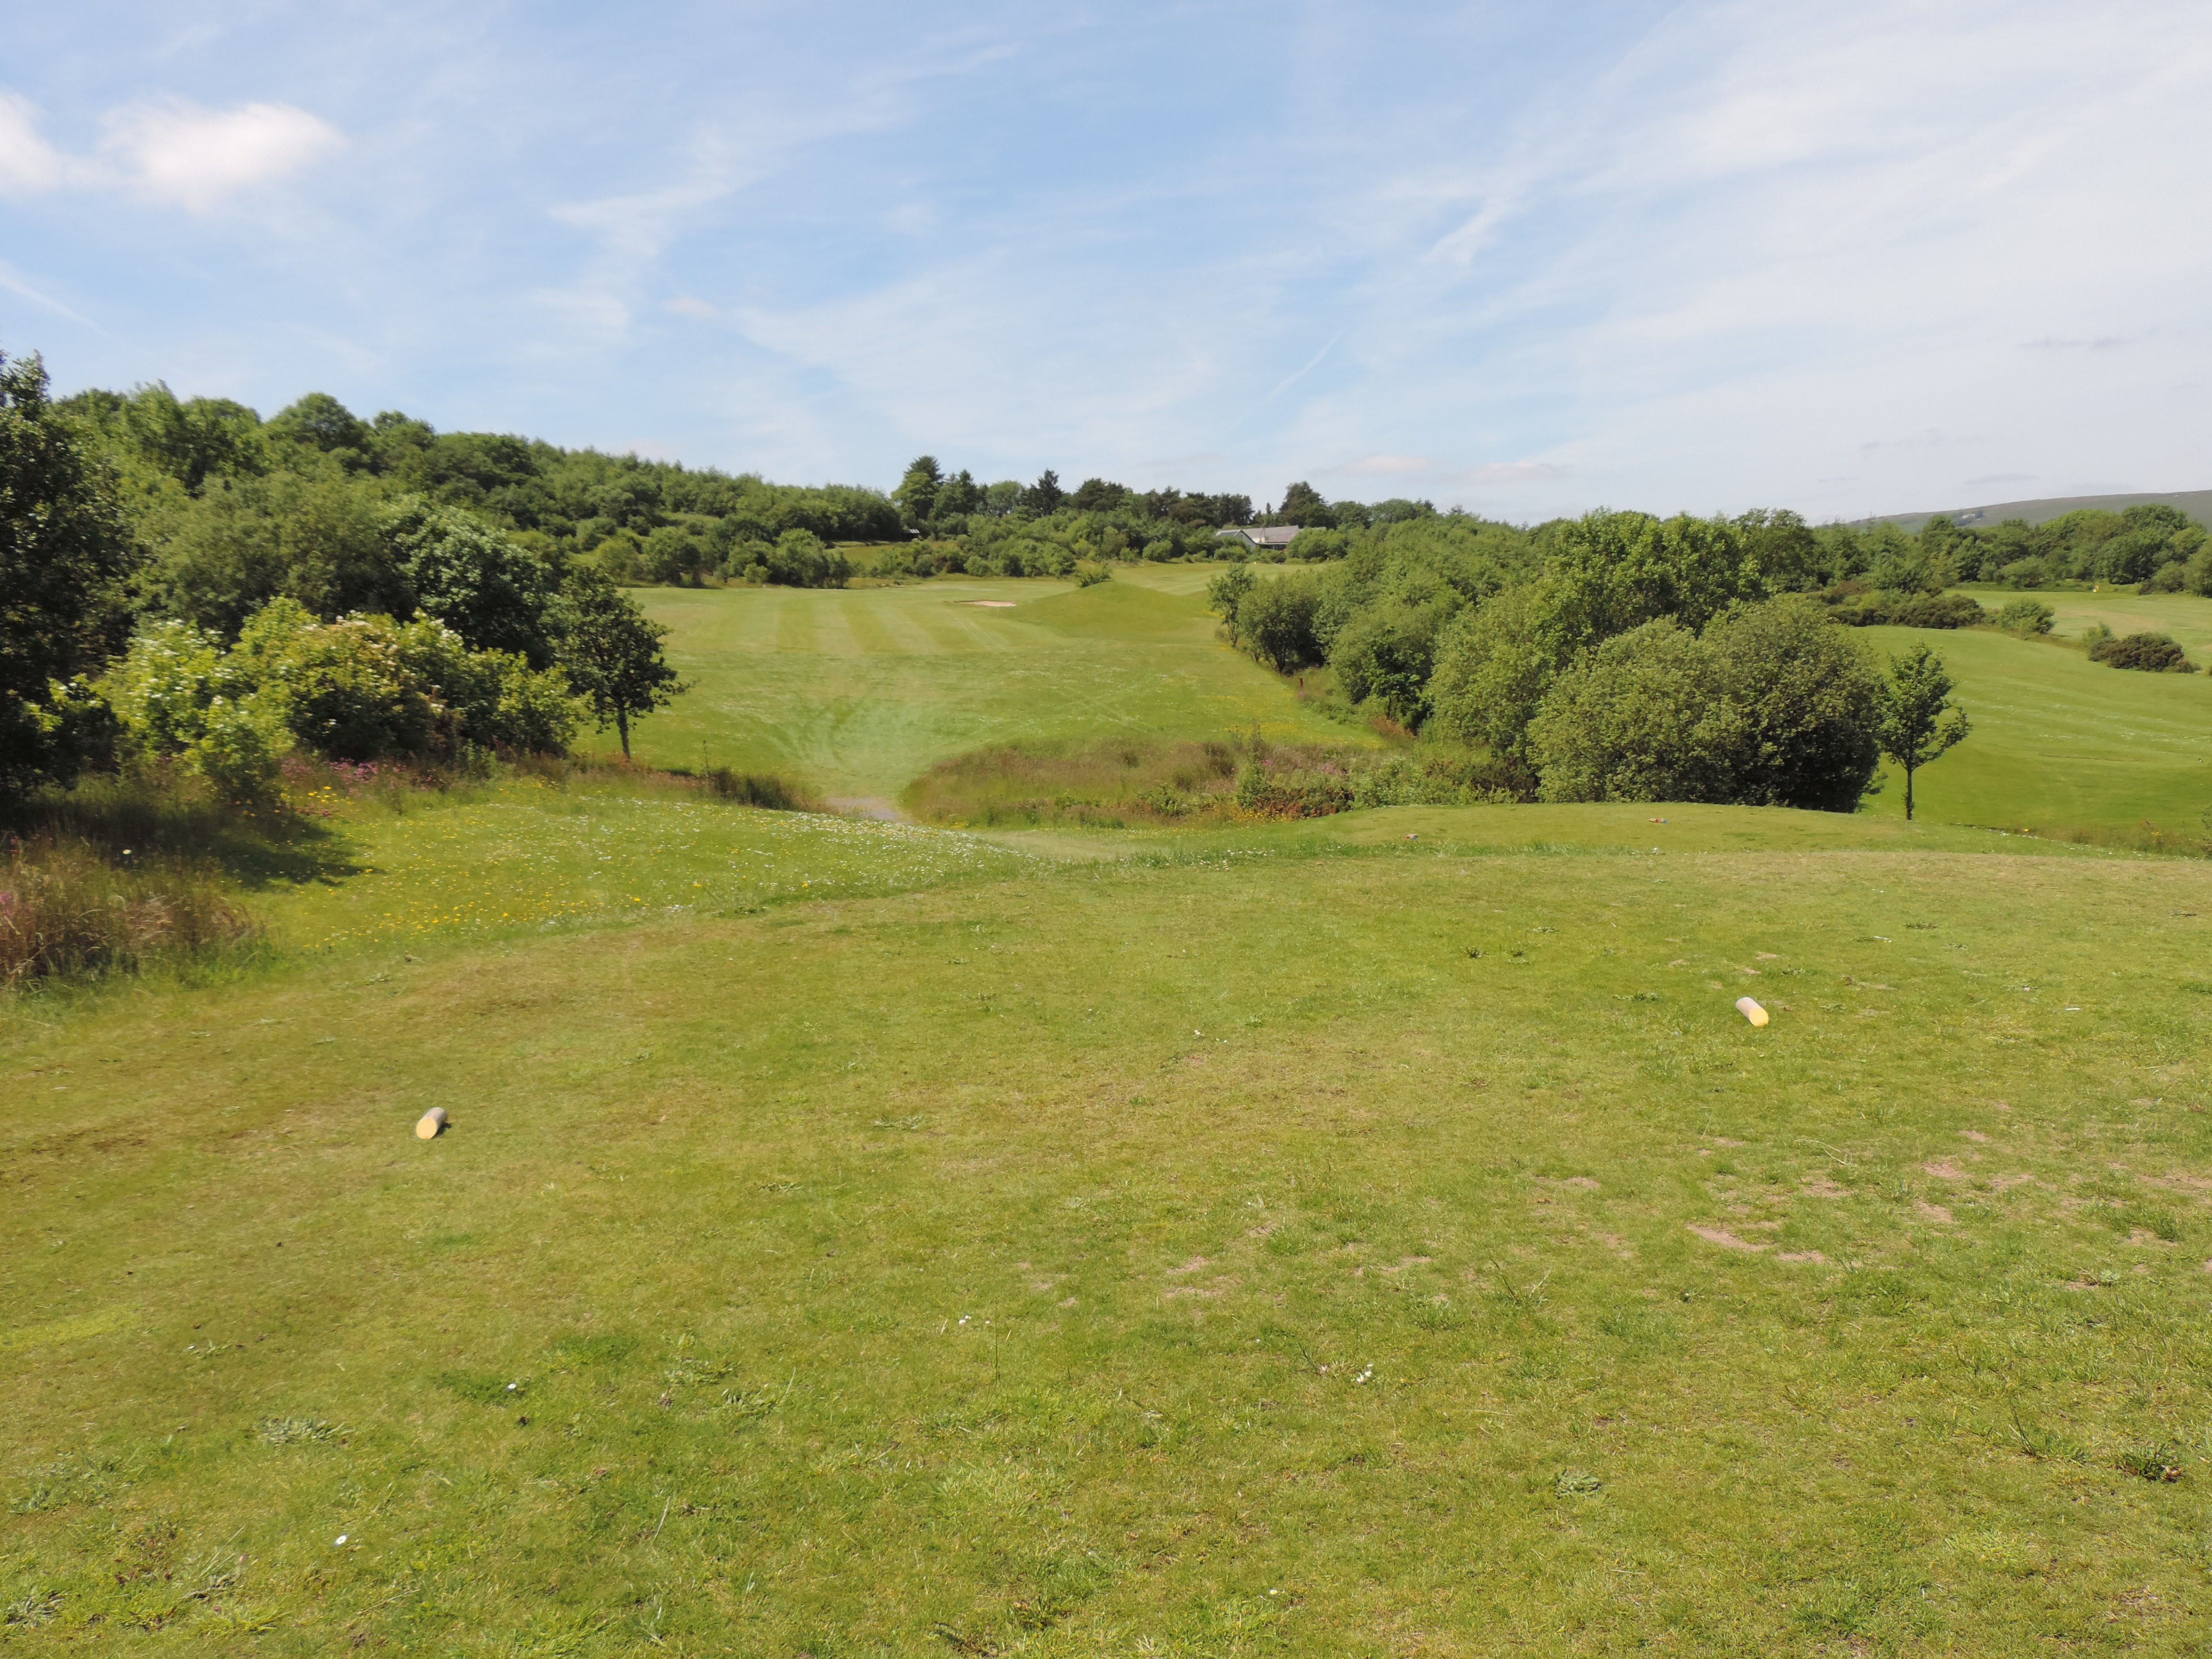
<point>1933,1212</point>
<point>878,807</point>
<point>1943,1170</point>
<point>1821,1186</point>
<point>1724,1238</point>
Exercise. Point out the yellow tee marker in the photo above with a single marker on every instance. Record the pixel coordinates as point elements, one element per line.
<point>1750,1010</point>
<point>430,1124</point>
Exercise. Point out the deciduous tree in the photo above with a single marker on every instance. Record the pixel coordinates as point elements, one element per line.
<point>1916,720</point>
<point>65,555</point>
<point>612,653</point>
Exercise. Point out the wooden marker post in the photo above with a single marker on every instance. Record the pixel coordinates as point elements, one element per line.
<point>432,1123</point>
<point>1744,1005</point>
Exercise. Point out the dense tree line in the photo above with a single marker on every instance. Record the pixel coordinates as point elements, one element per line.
<point>2151,544</point>
<point>1617,656</point>
<point>181,580</point>
<point>237,510</point>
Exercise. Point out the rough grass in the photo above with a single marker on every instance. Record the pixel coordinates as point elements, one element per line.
<point>68,912</point>
<point>1272,1244</point>
<point>1126,782</point>
<point>1110,784</point>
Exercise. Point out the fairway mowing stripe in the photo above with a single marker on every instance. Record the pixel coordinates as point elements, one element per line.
<point>903,628</point>
<point>869,622</point>
<point>834,632</point>
<point>961,633</point>
<point>795,627</point>
<point>750,628</point>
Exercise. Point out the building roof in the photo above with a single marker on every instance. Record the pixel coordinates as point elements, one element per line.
<point>1268,535</point>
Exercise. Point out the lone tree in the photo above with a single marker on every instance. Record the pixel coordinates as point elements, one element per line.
<point>612,653</point>
<point>65,554</point>
<point>1915,720</point>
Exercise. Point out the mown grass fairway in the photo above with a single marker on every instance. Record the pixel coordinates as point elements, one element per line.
<point>2061,743</point>
<point>2185,616</point>
<point>857,690</point>
<point>1200,1253</point>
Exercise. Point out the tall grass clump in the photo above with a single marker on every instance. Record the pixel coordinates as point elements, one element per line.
<point>1119,783</point>
<point>66,911</point>
<point>770,790</point>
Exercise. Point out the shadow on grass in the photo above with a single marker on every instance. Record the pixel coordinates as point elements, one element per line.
<point>143,817</point>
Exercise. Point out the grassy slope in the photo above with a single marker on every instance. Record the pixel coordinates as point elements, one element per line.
<point>2185,616</point>
<point>859,690</point>
<point>1100,1244</point>
<point>1201,1251</point>
<point>2060,741</point>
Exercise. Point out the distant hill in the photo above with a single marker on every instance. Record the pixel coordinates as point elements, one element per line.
<point>2197,503</point>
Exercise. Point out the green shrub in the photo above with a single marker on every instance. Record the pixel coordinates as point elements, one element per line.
<point>1641,718</point>
<point>1306,792</point>
<point>801,559</point>
<point>1276,619</point>
<point>1855,607</point>
<point>343,688</point>
<point>2149,654</point>
<point>1772,706</point>
<point>1422,777</point>
<point>494,699</point>
<point>1937,610</point>
<point>2025,617</point>
<point>361,688</point>
<point>177,693</point>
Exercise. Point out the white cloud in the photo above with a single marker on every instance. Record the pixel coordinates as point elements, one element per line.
<point>28,163</point>
<point>166,151</point>
<point>687,305</point>
<point>174,151</point>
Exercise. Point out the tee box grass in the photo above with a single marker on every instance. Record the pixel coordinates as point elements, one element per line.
<point>1317,1241</point>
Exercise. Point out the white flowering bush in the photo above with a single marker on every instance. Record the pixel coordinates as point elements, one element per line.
<point>177,693</point>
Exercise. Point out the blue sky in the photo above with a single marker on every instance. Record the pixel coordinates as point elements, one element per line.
<point>1529,259</point>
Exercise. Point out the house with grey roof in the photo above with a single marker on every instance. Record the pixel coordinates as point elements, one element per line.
<point>1263,535</point>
